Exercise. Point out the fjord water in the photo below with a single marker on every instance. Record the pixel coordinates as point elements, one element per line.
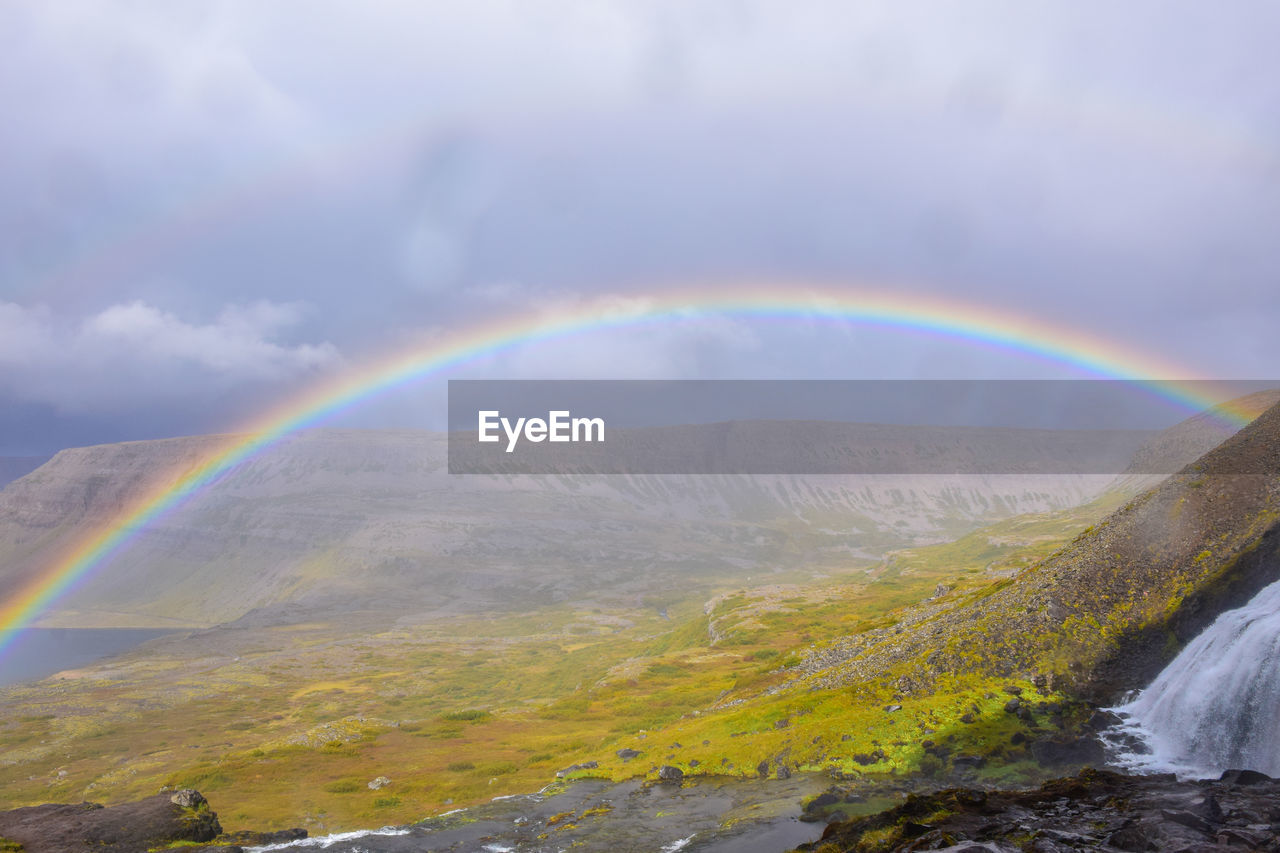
<point>1216,706</point>
<point>40,652</point>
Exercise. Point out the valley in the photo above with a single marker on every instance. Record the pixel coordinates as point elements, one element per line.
<point>802,646</point>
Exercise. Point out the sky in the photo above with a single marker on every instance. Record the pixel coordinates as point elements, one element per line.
<point>208,207</point>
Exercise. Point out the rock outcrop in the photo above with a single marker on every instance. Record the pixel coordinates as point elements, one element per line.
<point>127,828</point>
<point>170,819</point>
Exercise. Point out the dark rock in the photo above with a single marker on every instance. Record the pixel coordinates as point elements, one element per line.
<point>154,822</point>
<point>762,769</point>
<point>1101,719</point>
<point>1244,777</point>
<point>626,754</point>
<point>783,772</point>
<point>967,718</point>
<point>974,761</point>
<point>587,765</point>
<point>1131,836</point>
<point>826,798</point>
<point>667,773</point>
<point>1235,837</point>
<point>781,724</point>
<point>693,762</point>
<point>1092,810</point>
<point>1080,751</point>
<point>1012,706</point>
<point>245,838</point>
<point>1012,690</point>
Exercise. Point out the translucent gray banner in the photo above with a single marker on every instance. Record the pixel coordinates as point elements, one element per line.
<point>808,427</point>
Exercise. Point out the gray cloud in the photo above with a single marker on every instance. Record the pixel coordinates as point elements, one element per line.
<point>135,353</point>
<point>403,167</point>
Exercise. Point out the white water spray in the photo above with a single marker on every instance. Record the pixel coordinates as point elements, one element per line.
<point>1217,705</point>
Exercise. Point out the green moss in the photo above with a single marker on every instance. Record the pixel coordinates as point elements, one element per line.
<point>472,715</point>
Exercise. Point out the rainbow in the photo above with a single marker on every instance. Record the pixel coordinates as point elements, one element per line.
<point>930,315</point>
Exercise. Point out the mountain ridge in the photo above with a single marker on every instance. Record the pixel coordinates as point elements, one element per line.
<point>1107,611</point>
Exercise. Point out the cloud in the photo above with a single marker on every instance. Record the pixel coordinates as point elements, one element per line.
<point>135,354</point>
<point>409,167</point>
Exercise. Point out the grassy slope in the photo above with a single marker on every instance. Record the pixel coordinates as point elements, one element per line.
<point>286,726</point>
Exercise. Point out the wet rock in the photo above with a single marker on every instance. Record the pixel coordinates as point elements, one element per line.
<point>828,797</point>
<point>1092,810</point>
<point>667,773</point>
<point>1101,719</point>
<point>246,838</point>
<point>1244,777</point>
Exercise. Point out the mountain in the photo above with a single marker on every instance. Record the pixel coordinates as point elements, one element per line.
<point>1104,614</point>
<point>333,520</point>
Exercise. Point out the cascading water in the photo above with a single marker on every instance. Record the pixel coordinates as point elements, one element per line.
<point>1217,705</point>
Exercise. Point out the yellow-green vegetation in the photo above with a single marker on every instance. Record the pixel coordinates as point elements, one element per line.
<point>288,726</point>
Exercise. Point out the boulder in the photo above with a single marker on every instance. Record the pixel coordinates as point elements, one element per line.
<point>667,773</point>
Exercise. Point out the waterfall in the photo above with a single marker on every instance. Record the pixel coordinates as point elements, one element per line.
<point>1217,705</point>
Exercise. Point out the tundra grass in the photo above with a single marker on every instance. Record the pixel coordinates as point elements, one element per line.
<point>289,726</point>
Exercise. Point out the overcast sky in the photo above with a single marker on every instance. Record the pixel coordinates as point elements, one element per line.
<point>204,207</point>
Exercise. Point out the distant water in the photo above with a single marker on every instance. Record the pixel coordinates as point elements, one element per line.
<point>40,652</point>
<point>1217,705</point>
